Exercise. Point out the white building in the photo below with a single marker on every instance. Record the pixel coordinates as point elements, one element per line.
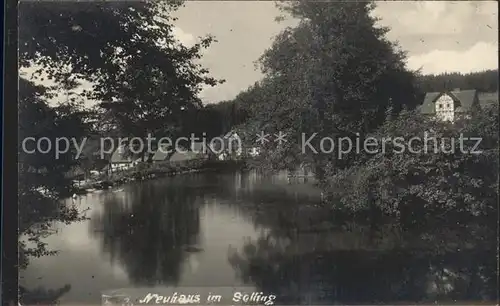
<point>123,160</point>
<point>450,105</point>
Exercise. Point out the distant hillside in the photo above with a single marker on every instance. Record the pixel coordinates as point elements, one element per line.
<point>485,81</point>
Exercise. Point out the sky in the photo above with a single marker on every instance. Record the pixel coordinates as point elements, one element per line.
<point>439,36</point>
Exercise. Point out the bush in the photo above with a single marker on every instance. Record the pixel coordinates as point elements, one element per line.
<point>449,186</point>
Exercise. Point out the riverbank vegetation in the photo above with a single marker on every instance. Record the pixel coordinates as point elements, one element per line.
<point>334,74</point>
<point>142,78</point>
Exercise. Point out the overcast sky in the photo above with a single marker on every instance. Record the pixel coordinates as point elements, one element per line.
<point>439,36</point>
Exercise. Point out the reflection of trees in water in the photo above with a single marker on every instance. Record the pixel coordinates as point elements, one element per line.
<point>42,296</point>
<point>304,261</point>
<point>296,275</point>
<point>146,228</point>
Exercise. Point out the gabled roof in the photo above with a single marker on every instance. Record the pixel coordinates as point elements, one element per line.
<point>464,99</point>
<point>163,153</point>
<point>200,148</point>
<point>231,134</point>
<point>94,147</point>
<point>75,171</point>
<point>122,156</point>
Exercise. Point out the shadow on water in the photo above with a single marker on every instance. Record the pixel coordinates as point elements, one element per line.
<point>42,296</point>
<point>351,263</point>
<point>363,276</point>
<point>146,234</point>
<point>149,229</point>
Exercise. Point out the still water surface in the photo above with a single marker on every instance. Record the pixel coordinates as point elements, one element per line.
<point>236,229</point>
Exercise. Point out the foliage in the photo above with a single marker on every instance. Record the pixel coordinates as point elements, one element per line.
<point>484,81</point>
<point>145,80</point>
<point>42,179</point>
<point>334,74</point>
<point>215,120</point>
<point>167,215</point>
<point>442,181</point>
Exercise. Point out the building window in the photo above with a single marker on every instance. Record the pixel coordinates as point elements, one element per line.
<point>440,105</point>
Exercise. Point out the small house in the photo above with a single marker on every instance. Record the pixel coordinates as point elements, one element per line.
<point>234,144</point>
<point>450,105</point>
<point>123,159</point>
<point>253,151</point>
<point>162,154</point>
<point>227,146</point>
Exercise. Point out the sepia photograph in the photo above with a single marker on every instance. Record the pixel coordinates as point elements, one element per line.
<point>257,152</point>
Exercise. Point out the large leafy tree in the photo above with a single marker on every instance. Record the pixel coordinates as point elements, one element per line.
<point>43,176</point>
<point>335,73</point>
<point>143,77</point>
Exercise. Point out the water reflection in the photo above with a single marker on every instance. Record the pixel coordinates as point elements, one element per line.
<point>360,276</point>
<point>353,263</point>
<point>148,230</point>
<point>42,296</point>
<point>177,232</point>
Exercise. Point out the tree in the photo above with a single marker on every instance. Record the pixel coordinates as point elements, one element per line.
<point>333,74</point>
<point>42,176</point>
<point>144,79</point>
<point>170,225</point>
<point>484,81</point>
<point>142,75</point>
<point>440,181</point>
<point>215,119</point>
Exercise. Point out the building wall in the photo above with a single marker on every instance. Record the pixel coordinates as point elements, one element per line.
<point>445,108</point>
<point>123,166</point>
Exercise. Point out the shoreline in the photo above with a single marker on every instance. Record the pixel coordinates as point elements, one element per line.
<point>152,171</point>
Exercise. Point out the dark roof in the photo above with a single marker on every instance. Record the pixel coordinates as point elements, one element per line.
<point>199,147</point>
<point>162,153</point>
<point>74,171</point>
<point>123,156</point>
<point>464,98</point>
<point>225,144</point>
<point>92,148</point>
<point>232,133</point>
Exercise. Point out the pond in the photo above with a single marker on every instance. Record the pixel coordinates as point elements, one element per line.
<point>263,233</point>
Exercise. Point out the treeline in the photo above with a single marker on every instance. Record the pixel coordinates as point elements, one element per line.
<point>484,81</point>
<point>145,87</point>
<point>336,77</point>
<point>219,118</point>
